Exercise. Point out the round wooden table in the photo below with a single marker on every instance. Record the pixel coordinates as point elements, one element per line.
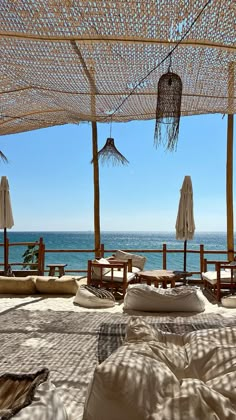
<point>158,276</point>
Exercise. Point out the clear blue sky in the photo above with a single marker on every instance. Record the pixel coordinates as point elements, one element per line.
<point>51,177</point>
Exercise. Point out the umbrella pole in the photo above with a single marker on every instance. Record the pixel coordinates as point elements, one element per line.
<point>5,251</point>
<point>185,254</point>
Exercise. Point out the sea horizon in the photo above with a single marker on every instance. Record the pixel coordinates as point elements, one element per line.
<point>114,240</point>
<point>115,231</point>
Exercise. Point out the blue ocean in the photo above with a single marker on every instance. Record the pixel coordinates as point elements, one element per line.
<point>117,240</point>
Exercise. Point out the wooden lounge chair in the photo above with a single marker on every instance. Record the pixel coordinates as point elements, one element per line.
<point>222,279</point>
<point>111,274</point>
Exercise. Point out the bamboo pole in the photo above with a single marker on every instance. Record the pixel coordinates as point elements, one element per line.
<point>89,72</point>
<point>229,169</point>
<point>229,190</point>
<point>97,236</point>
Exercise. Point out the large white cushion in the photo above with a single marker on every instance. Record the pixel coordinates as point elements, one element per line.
<point>142,297</point>
<point>17,285</point>
<point>96,274</point>
<point>157,375</point>
<point>137,260</point>
<point>84,297</point>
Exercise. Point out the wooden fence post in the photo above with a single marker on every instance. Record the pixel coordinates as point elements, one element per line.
<point>164,257</point>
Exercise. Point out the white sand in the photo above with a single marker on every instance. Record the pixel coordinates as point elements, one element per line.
<point>45,302</point>
<point>59,348</point>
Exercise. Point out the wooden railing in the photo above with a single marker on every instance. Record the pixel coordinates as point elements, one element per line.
<point>37,267</point>
<point>41,268</point>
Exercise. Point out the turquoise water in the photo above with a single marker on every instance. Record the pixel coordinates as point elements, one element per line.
<point>116,240</point>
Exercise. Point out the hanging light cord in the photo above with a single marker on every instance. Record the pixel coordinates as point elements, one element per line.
<point>139,83</point>
<point>110,126</point>
<point>164,59</point>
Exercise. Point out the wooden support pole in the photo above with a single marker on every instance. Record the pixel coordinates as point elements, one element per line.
<point>229,168</point>
<point>97,236</point>
<point>229,190</point>
<point>90,75</point>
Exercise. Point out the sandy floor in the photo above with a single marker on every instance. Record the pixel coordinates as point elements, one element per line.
<point>66,303</point>
<point>52,331</point>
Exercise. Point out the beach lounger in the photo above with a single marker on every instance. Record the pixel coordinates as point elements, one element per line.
<point>222,279</point>
<point>115,273</point>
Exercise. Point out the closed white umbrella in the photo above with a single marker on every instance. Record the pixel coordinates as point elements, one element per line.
<point>6,217</point>
<point>185,226</point>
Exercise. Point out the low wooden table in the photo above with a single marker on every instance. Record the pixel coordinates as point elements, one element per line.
<point>158,276</point>
<point>59,267</point>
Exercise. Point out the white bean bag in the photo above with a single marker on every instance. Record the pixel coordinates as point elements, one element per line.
<point>91,297</point>
<point>159,376</point>
<point>142,297</point>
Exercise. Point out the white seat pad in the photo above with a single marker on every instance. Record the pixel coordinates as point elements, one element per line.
<point>211,276</point>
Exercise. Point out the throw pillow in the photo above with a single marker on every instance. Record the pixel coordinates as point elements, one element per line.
<point>229,270</point>
<point>46,404</point>
<point>92,297</point>
<point>17,391</point>
<point>137,260</point>
<point>97,271</point>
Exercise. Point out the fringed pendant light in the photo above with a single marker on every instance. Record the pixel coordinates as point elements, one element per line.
<point>168,110</point>
<point>110,154</point>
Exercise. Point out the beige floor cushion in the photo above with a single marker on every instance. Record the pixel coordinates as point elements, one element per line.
<point>163,376</point>
<point>142,297</point>
<point>56,285</point>
<point>17,285</point>
<point>90,297</point>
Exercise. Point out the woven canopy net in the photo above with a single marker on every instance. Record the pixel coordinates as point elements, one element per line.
<point>70,61</point>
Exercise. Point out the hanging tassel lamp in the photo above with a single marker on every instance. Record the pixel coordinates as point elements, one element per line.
<point>168,110</point>
<point>110,154</point>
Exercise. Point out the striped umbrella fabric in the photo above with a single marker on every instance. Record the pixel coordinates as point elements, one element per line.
<point>185,225</point>
<point>6,217</point>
